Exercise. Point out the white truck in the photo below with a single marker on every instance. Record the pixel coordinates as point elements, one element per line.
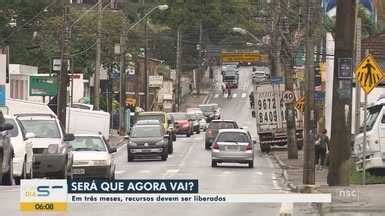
<point>79,121</point>
<point>270,116</point>
<point>375,137</point>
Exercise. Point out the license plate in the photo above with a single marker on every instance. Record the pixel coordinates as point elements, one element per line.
<point>232,148</point>
<point>147,150</point>
<point>78,171</point>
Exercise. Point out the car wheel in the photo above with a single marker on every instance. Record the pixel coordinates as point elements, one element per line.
<point>188,134</point>
<point>112,177</point>
<point>198,131</point>
<point>251,164</point>
<point>130,157</point>
<point>214,164</point>
<point>174,137</point>
<point>23,174</point>
<point>7,177</point>
<point>70,174</point>
<point>164,157</point>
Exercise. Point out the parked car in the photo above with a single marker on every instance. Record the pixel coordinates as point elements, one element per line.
<point>163,118</point>
<point>210,111</point>
<point>214,127</point>
<point>22,148</point>
<point>7,162</point>
<point>92,157</point>
<point>195,122</point>
<point>182,123</point>
<point>52,157</point>
<point>147,141</point>
<point>233,146</point>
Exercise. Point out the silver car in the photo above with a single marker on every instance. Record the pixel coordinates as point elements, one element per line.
<point>232,146</point>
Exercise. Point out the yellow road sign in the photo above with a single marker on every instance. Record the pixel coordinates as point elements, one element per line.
<point>300,104</point>
<point>368,74</point>
<point>243,57</point>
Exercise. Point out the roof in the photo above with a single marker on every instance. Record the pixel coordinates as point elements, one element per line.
<point>151,113</point>
<point>223,120</point>
<point>88,135</point>
<point>232,130</point>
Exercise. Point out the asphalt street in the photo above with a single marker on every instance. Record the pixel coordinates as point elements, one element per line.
<point>190,161</point>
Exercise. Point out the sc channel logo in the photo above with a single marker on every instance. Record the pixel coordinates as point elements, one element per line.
<point>42,190</point>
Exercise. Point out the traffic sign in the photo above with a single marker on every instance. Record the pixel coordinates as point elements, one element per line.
<point>368,74</point>
<point>300,104</point>
<point>2,95</point>
<point>243,57</point>
<point>288,96</point>
<point>42,86</point>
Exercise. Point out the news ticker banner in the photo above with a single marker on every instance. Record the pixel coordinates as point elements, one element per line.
<point>55,195</point>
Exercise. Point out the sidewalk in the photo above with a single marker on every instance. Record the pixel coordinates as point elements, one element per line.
<point>350,199</point>
<point>116,140</point>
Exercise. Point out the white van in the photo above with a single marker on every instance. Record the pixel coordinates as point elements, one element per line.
<point>375,137</point>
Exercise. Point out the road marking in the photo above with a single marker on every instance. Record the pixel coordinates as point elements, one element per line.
<point>120,172</point>
<point>216,95</point>
<point>259,173</point>
<point>144,171</point>
<point>286,209</point>
<point>226,172</point>
<point>243,95</point>
<point>234,95</point>
<point>171,171</point>
<point>225,95</point>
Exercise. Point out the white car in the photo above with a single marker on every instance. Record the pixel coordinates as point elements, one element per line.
<point>22,148</point>
<point>92,157</point>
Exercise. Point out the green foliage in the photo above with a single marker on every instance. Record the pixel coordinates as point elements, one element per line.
<point>371,177</point>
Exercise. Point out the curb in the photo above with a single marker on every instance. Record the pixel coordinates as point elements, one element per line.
<point>291,186</point>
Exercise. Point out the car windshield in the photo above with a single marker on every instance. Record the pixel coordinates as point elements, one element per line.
<point>143,132</point>
<point>222,125</point>
<point>373,113</point>
<point>180,116</point>
<point>88,144</point>
<point>41,128</point>
<point>14,132</point>
<point>208,108</point>
<point>232,137</point>
<point>151,117</point>
<point>193,116</point>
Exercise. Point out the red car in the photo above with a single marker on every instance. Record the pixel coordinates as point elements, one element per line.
<point>183,123</point>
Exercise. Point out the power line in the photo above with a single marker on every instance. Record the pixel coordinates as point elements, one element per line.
<point>29,21</point>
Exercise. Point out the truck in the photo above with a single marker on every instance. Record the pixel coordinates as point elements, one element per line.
<point>270,116</point>
<point>78,120</point>
<point>375,138</point>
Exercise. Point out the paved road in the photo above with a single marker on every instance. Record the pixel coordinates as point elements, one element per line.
<point>190,160</point>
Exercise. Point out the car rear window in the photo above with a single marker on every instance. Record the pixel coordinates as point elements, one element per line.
<point>143,132</point>
<point>151,117</point>
<point>233,137</point>
<point>180,116</point>
<point>222,125</point>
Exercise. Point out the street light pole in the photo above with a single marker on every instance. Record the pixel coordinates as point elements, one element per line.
<point>96,98</point>
<point>122,83</point>
<point>146,89</point>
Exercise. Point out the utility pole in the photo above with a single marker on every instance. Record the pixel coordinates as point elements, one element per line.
<point>63,76</point>
<point>98,54</point>
<point>309,112</point>
<point>122,95</point>
<point>276,39</point>
<point>200,50</point>
<point>178,65</point>
<point>146,89</point>
<point>288,62</point>
<point>340,145</point>
<point>358,87</point>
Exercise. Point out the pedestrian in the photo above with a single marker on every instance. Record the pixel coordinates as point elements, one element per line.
<point>321,148</point>
<point>228,87</point>
<point>223,88</point>
<point>251,98</point>
<point>190,87</point>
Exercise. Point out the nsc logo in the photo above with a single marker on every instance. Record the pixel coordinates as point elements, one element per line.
<point>43,195</point>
